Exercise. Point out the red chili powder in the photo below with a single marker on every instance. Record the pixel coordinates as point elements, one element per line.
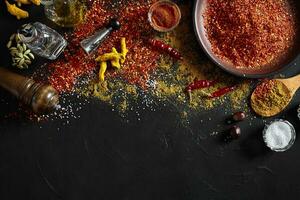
<point>140,61</point>
<point>263,89</point>
<point>250,33</point>
<point>165,15</point>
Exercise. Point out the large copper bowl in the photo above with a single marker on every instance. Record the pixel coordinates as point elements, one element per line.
<point>199,8</point>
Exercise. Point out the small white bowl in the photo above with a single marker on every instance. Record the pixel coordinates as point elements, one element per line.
<point>293,137</point>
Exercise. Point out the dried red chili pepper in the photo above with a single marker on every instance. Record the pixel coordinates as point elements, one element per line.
<point>160,45</point>
<point>222,91</point>
<point>199,84</point>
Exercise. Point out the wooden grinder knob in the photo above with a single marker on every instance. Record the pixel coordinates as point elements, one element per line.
<point>42,98</point>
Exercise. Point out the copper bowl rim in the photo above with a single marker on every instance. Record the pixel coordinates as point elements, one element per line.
<point>203,41</point>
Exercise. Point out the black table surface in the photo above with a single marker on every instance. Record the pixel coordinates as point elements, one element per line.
<point>102,156</point>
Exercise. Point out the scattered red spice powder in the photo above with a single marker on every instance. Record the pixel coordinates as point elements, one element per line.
<point>263,89</point>
<point>140,61</point>
<point>250,33</point>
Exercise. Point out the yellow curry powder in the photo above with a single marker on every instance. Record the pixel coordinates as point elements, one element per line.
<point>270,97</point>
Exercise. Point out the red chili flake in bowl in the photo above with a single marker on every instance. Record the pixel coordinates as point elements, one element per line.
<point>250,33</point>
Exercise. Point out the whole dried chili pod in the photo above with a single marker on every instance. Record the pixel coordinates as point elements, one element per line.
<point>162,46</point>
<point>199,84</point>
<point>222,91</point>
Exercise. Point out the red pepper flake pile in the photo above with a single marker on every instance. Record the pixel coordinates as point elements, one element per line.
<point>141,59</point>
<point>251,33</point>
<point>263,89</point>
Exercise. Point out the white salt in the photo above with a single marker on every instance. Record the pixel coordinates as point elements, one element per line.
<point>278,135</point>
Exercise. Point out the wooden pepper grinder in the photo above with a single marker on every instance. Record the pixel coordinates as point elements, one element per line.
<point>41,98</point>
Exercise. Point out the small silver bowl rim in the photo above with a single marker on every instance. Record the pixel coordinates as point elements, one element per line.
<point>290,144</point>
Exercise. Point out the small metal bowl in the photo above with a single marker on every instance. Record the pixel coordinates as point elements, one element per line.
<point>290,144</point>
<point>199,9</point>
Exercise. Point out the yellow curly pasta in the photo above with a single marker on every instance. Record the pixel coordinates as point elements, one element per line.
<point>20,2</point>
<point>15,11</point>
<point>108,56</point>
<point>124,50</point>
<point>36,2</point>
<point>115,62</point>
<point>114,57</point>
<point>103,67</point>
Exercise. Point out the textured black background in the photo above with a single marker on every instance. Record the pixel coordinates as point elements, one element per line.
<point>101,156</point>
